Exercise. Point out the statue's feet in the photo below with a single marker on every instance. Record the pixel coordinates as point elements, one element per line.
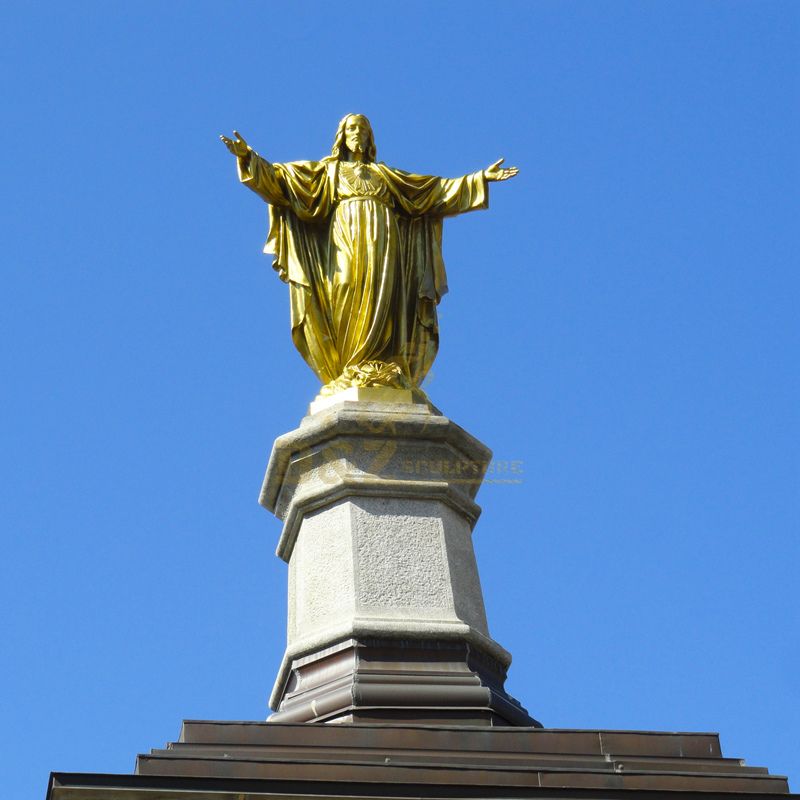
<point>368,373</point>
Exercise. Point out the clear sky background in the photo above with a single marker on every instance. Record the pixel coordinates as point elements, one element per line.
<point>622,322</point>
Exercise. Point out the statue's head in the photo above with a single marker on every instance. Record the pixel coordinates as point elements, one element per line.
<point>354,135</point>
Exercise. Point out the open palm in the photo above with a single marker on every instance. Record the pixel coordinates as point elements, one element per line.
<point>496,172</point>
<point>238,146</point>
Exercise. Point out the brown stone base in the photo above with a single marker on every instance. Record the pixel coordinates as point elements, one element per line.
<point>268,761</point>
<point>400,681</point>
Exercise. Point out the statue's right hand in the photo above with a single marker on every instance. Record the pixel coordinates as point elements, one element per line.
<point>238,146</point>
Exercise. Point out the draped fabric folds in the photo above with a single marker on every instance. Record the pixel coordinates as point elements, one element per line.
<point>360,246</point>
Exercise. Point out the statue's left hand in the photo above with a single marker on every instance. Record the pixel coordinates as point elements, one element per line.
<point>498,173</point>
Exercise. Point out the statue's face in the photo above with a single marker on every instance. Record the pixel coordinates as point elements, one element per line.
<point>356,133</point>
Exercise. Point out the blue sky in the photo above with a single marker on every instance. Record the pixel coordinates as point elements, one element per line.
<point>622,321</point>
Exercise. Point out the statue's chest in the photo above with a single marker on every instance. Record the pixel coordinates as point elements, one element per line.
<point>360,180</point>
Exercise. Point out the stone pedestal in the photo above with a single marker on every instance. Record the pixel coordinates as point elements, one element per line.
<point>386,618</point>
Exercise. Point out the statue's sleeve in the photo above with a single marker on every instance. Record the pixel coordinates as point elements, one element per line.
<point>301,186</point>
<point>258,174</point>
<point>298,193</point>
<point>426,194</point>
<point>299,197</point>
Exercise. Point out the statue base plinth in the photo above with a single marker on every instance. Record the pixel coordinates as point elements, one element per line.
<point>386,615</point>
<point>369,394</point>
<point>401,681</point>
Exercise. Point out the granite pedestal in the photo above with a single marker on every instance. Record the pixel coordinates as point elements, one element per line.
<point>386,620</point>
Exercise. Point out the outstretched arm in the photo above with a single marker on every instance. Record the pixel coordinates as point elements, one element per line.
<point>255,172</point>
<point>426,194</point>
<point>496,172</point>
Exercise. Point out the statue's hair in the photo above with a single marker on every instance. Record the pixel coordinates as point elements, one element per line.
<point>339,148</point>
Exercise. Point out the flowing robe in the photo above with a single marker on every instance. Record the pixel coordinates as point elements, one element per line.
<point>360,246</point>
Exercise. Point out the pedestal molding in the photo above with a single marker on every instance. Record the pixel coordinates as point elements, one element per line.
<point>359,485</point>
<point>330,640</point>
<point>356,420</point>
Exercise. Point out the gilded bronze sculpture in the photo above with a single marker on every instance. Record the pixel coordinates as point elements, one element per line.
<point>360,245</point>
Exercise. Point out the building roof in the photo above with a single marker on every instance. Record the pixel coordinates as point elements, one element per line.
<point>238,760</point>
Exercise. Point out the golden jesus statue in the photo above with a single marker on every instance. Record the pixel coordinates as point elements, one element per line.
<point>360,245</point>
